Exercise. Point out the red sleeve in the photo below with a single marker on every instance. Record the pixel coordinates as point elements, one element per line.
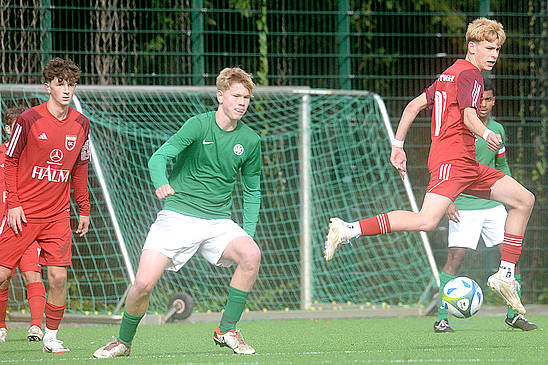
<point>430,92</point>
<point>18,139</point>
<point>469,89</point>
<point>11,166</point>
<point>80,187</point>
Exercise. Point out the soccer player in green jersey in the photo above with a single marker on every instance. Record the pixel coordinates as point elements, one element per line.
<point>211,149</point>
<point>469,217</point>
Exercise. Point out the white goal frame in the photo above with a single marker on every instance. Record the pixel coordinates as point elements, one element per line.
<point>305,181</point>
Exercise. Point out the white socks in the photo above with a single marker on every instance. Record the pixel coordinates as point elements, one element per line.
<point>354,229</point>
<point>50,334</point>
<point>506,269</point>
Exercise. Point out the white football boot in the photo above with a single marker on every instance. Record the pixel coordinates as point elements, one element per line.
<point>35,333</point>
<point>114,348</point>
<point>55,346</point>
<point>232,339</point>
<point>338,235</point>
<point>507,289</point>
<point>3,334</point>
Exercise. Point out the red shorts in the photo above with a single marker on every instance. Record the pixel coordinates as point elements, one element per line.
<point>449,180</point>
<point>30,259</point>
<point>53,238</point>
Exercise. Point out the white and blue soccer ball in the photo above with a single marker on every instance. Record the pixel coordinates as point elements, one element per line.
<point>462,297</point>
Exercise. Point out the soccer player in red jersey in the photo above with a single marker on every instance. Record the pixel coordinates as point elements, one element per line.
<point>455,97</point>
<point>29,265</point>
<point>48,152</point>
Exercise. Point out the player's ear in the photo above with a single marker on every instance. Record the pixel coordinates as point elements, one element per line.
<point>219,96</point>
<point>47,87</point>
<point>472,47</point>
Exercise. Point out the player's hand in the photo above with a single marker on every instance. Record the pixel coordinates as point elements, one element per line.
<point>494,141</point>
<point>399,160</point>
<point>452,213</point>
<point>164,191</point>
<point>16,218</point>
<point>83,225</point>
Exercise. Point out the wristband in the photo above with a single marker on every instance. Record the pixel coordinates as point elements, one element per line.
<point>486,133</point>
<point>397,143</point>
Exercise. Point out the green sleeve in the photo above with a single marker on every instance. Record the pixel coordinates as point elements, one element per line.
<point>251,179</point>
<point>252,202</point>
<point>501,163</point>
<point>184,137</point>
<point>157,164</point>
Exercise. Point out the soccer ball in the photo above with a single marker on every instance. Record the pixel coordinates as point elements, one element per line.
<point>462,297</point>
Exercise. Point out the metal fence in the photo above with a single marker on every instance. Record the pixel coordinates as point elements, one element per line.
<point>394,48</point>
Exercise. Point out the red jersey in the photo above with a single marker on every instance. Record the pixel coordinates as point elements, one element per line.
<point>3,149</point>
<point>457,88</point>
<point>43,156</point>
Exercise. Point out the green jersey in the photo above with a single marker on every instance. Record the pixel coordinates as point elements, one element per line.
<point>205,172</point>
<point>495,159</point>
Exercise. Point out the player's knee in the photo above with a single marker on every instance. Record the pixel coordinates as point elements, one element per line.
<point>143,287</point>
<point>57,281</point>
<point>30,277</point>
<point>251,259</point>
<point>529,200</point>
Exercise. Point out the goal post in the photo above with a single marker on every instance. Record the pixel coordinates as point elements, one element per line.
<point>325,153</point>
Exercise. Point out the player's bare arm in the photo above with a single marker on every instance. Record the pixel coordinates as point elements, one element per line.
<point>164,191</point>
<point>83,225</point>
<point>16,218</point>
<point>472,122</point>
<point>398,157</point>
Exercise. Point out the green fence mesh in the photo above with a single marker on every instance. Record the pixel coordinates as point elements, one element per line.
<point>351,177</point>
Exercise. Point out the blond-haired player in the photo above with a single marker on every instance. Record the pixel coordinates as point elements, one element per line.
<point>455,98</point>
<point>211,150</point>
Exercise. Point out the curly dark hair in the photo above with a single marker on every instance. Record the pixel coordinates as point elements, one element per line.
<point>63,69</point>
<point>12,113</point>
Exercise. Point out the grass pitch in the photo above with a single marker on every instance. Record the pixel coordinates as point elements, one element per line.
<point>343,341</point>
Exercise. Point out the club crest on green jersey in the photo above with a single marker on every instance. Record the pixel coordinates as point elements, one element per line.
<point>238,149</point>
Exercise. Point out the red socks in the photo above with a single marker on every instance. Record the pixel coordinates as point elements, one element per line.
<point>375,225</point>
<point>54,314</point>
<point>36,295</point>
<point>4,294</point>
<point>511,248</point>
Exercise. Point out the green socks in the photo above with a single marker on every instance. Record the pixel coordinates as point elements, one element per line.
<point>444,279</point>
<point>128,328</point>
<point>511,312</point>
<point>234,309</point>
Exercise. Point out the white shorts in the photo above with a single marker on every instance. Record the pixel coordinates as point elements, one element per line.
<point>489,223</point>
<point>179,236</point>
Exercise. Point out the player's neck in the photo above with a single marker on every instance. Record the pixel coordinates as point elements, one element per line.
<point>484,120</point>
<point>224,122</point>
<point>470,58</point>
<point>58,111</point>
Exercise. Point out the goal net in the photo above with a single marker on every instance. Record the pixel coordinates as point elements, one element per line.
<point>325,153</point>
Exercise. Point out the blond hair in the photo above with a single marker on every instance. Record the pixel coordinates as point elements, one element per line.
<point>229,76</point>
<point>483,29</point>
